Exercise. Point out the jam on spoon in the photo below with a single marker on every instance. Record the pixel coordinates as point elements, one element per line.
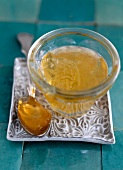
<point>33,116</point>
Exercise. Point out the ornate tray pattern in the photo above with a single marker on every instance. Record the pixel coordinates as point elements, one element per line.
<point>95,126</point>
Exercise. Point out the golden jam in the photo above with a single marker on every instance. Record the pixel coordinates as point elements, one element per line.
<point>33,116</point>
<point>72,68</point>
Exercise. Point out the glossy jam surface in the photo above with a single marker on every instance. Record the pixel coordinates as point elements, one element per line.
<point>73,68</point>
<point>33,116</point>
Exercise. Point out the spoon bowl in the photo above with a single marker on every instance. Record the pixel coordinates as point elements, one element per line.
<point>34,118</point>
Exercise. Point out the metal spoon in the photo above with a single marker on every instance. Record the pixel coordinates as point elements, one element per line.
<point>33,116</point>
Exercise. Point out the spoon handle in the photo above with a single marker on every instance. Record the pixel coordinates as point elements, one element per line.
<point>25,40</point>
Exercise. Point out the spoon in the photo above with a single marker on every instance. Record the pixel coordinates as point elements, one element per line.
<point>34,118</point>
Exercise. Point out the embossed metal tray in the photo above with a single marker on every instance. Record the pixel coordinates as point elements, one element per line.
<point>95,126</point>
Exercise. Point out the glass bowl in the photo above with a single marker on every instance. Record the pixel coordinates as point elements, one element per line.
<point>67,102</point>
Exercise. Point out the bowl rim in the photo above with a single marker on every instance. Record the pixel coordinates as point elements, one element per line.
<point>106,84</point>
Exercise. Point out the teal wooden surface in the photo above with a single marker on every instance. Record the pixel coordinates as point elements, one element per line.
<point>6,80</point>
<point>39,17</point>
<point>13,10</point>
<point>61,156</point>
<point>117,102</point>
<point>112,154</point>
<point>9,48</point>
<point>10,152</point>
<point>67,10</point>
<point>109,12</point>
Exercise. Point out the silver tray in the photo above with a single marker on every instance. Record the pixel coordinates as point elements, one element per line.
<point>95,126</point>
